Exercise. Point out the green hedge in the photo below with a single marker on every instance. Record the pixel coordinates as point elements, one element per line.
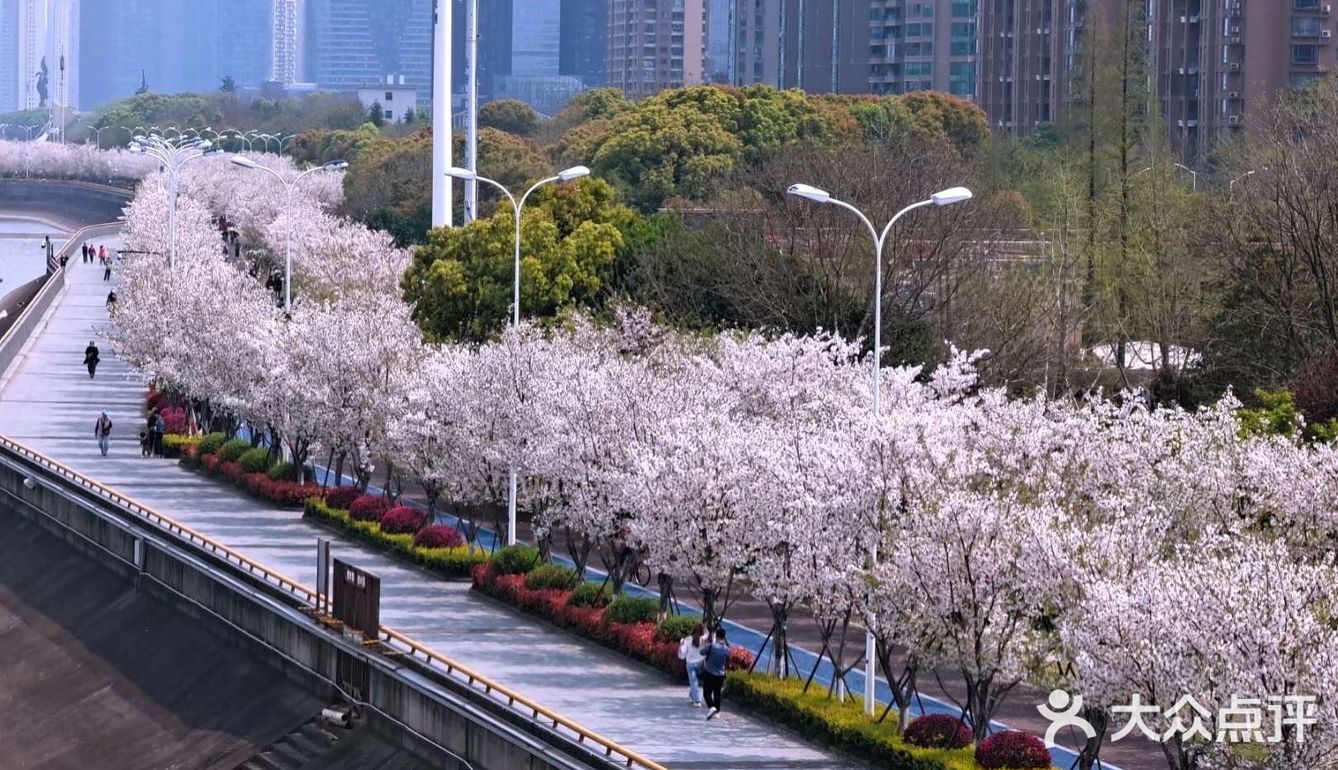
<point>447,562</point>
<point>234,449</point>
<point>550,576</point>
<point>676,627</point>
<point>211,443</point>
<point>589,595</point>
<point>255,460</point>
<point>843,725</point>
<point>515,559</point>
<point>633,609</point>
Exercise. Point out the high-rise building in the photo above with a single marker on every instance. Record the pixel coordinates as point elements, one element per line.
<point>286,39</point>
<point>653,45</point>
<point>244,51</point>
<point>535,36</point>
<point>719,22</point>
<point>923,45</point>
<point>1216,61</point>
<point>351,43</point>
<point>1027,50</point>
<point>819,47</point>
<point>583,48</point>
<point>10,88</point>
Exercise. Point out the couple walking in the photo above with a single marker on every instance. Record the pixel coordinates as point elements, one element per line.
<point>705,660</point>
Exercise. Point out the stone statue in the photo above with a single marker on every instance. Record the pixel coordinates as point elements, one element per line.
<point>41,85</point>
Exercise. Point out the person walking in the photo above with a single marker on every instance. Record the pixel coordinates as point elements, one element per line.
<point>714,658</point>
<point>91,359</point>
<point>83,248</point>
<point>102,429</point>
<point>159,429</point>
<point>106,265</point>
<point>102,252</point>
<point>111,300</point>
<point>690,652</point>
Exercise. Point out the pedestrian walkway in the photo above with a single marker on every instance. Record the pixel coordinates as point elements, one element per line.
<point>48,402</point>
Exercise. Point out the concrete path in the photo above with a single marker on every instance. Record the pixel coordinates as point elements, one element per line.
<point>49,403</point>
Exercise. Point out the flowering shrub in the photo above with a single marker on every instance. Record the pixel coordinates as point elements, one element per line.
<point>286,493</point>
<point>1012,749</point>
<point>938,731</point>
<point>438,536</point>
<point>178,445</point>
<point>232,471</point>
<point>637,639</point>
<point>209,461</point>
<point>451,562</point>
<point>403,520</point>
<point>155,399</point>
<point>342,497</point>
<point>174,419</point>
<point>368,508</point>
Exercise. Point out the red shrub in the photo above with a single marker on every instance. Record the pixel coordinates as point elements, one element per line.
<point>403,520</point>
<point>437,536</point>
<point>286,493</point>
<point>482,577</point>
<point>209,461</point>
<point>740,658</point>
<point>938,731</point>
<point>368,508</point>
<point>190,452</point>
<point>341,497</point>
<point>156,398</point>
<point>1012,749</point>
<point>174,419</point>
<point>231,471</point>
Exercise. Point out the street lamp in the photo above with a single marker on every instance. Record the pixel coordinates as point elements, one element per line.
<point>944,198</point>
<point>1231,186</point>
<point>289,185</point>
<point>172,154</point>
<point>1194,175</point>
<point>567,175</point>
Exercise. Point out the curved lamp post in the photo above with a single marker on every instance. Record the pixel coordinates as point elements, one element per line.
<point>172,154</point>
<point>567,175</point>
<point>289,186</point>
<point>944,198</point>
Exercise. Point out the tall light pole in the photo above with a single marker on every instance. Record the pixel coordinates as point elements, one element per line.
<point>945,198</point>
<point>1231,186</point>
<point>575,172</point>
<point>441,115</point>
<point>472,108</point>
<point>289,186</point>
<point>172,154</point>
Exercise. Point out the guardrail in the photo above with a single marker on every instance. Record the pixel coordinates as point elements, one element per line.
<point>536,713</point>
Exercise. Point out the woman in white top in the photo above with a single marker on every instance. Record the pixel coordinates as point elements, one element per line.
<point>690,652</point>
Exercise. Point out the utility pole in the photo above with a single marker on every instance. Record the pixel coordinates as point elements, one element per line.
<point>441,115</point>
<point>472,107</point>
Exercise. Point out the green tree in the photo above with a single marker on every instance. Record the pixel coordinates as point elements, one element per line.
<point>509,115</point>
<point>229,85</point>
<point>376,115</point>
<point>460,282</point>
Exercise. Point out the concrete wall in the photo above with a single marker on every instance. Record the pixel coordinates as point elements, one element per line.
<point>417,707</point>
<point>67,203</point>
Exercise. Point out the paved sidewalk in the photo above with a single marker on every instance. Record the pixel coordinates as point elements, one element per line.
<point>49,403</point>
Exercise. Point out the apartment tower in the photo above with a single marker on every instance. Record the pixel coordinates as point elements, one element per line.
<point>1217,61</point>
<point>656,44</point>
<point>923,45</point>
<point>821,47</point>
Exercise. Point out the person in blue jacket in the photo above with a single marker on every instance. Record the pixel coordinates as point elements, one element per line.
<point>714,657</point>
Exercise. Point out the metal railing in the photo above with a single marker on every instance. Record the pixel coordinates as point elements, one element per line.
<point>588,739</point>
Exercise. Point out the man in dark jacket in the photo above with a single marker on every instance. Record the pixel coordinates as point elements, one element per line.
<point>91,359</point>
